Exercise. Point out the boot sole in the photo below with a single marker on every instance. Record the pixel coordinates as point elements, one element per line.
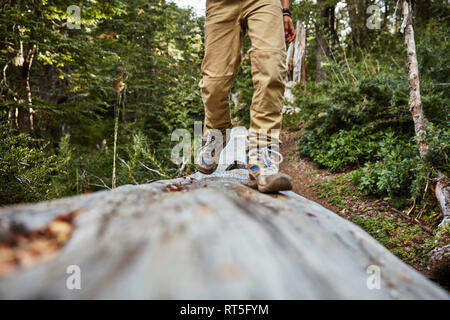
<point>205,171</point>
<point>283,184</point>
<point>252,184</point>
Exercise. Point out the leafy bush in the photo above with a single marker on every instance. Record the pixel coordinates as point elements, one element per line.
<point>26,169</point>
<point>393,174</point>
<point>141,165</point>
<point>348,148</point>
<point>361,118</point>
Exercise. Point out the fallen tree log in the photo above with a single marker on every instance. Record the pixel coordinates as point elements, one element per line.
<point>439,264</point>
<point>443,195</point>
<point>199,237</point>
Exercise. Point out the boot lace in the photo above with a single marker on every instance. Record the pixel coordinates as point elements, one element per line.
<point>266,156</point>
<point>208,149</point>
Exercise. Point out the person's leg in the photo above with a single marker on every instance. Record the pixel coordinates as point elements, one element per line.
<point>223,40</point>
<point>268,56</point>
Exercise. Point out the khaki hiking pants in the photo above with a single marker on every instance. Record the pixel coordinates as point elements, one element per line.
<point>226,23</point>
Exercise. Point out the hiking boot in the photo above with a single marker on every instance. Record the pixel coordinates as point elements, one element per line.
<point>209,155</point>
<point>263,171</point>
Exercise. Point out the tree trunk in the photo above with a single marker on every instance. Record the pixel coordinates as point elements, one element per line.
<point>296,66</point>
<point>11,117</point>
<point>332,23</point>
<point>198,237</point>
<point>322,49</point>
<point>443,195</point>
<point>296,56</point>
<point>439,264</point>
<point>415,101</point>
<point>116,133</point>
<point>420,121</point>
<point>416,109</point>
<point>357,20</point>
<point>30,59</point>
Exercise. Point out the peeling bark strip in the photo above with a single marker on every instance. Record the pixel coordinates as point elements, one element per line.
<point>21,248</point>
<point>214,238</point>
<point>415,102</point>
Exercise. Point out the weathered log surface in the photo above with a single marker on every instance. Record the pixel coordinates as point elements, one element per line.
<point>214,239</point>
<point>439,264</point>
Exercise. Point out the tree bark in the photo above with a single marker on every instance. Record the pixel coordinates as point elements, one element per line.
<point>322,49</point>
<point>439,264</point>
<point>296,56</point>
<point>415,101</point>
<point>442,191</point>
<point>357,18</point>
<point>416,108</point>
<point>443,195</point>
<point>30,59</point>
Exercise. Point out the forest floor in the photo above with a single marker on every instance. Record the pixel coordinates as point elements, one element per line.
<point>407,239</point>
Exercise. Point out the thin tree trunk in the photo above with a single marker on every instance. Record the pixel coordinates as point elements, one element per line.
<point>416,108</point>
<point>332,23</point>
<point>321,53</point>
<point>356,11</point>
<point>11,120</point>
<point>17,117</point>
<point>324,28</point>
<point>415,102</point>
<point>30,59</point>
<point>116,130</point>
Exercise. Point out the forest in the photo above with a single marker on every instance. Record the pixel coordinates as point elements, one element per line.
<point>91,93</point>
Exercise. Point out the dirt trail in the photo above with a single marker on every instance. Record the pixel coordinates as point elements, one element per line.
<point>304,173</point>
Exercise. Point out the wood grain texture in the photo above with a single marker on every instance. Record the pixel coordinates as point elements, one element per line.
<point>216,239</point>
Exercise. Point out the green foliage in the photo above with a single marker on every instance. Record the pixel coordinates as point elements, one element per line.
<point>153,47</point>
<point>349,148</point>
<point>336,191</point>
<point>404,239</point>
<point>142,165</point>
<point>361,119</point>
<point>26,169</point>
<point>393,173</point>
<point>438,154</point>
<point>81,169</point>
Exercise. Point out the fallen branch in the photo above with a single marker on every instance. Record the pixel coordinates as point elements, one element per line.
<point>411,219</point>
<point>96,185</point>
<point>153,170</point>
<point>183,166</point>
